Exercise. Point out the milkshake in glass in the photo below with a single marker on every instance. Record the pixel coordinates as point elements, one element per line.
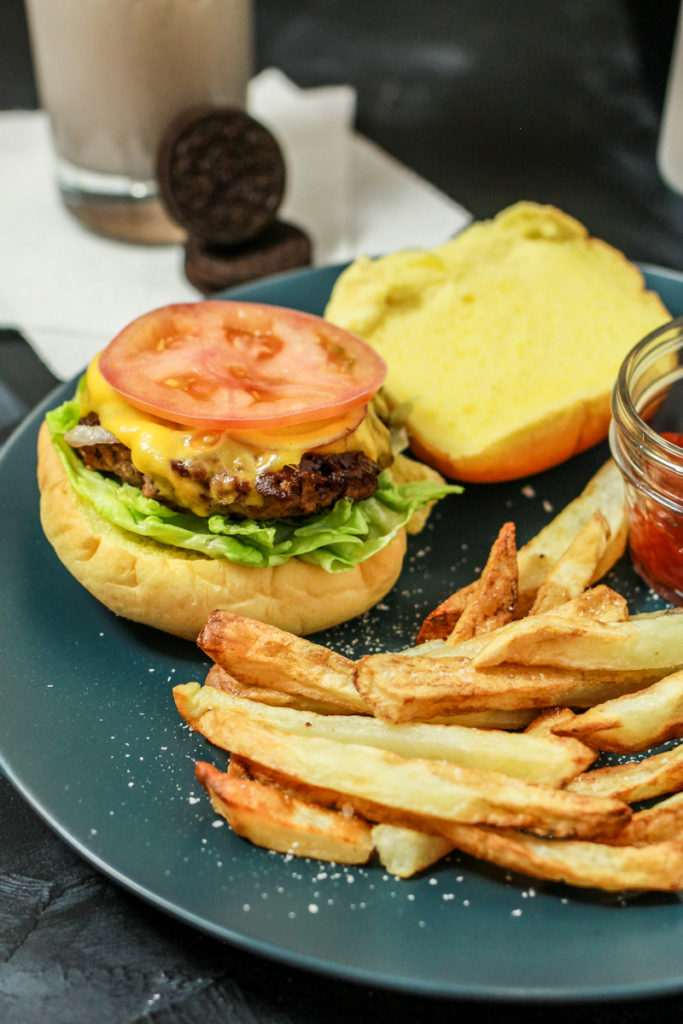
<point>112,75</point>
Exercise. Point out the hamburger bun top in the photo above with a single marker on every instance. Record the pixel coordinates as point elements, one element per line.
<point>522,321</point>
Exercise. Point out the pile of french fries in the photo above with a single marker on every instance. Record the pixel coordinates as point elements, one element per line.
<point>486,737</point>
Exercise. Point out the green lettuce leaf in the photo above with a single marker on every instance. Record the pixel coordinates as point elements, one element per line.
<point>336,539</point>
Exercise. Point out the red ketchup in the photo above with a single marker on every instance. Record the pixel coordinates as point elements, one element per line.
<point>656,530</point>
<point>646,438</point>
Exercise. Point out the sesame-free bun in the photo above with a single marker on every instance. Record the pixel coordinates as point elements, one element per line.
<point>175,590</point>
<point>504,343</point>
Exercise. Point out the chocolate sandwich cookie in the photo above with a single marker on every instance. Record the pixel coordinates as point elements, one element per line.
<point>212,268</point>
<point>221,175</point>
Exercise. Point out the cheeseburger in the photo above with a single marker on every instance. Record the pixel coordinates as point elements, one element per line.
<point>231,455</point>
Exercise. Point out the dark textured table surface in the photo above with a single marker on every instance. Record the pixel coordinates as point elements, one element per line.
<point>492,102</point>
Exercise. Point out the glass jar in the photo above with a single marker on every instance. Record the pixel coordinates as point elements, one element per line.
<point>646,438</point>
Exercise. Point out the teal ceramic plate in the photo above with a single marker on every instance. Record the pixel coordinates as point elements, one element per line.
<point>90,736</point>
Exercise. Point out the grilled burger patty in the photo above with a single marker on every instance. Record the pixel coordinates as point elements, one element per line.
<point>316,483</point>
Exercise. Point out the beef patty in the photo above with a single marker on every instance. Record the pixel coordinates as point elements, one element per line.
<point>316,483</point>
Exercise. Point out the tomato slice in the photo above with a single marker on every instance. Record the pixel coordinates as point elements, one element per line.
<point>240,365</point>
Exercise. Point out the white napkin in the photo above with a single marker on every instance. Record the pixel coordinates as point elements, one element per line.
<point>69,291</point>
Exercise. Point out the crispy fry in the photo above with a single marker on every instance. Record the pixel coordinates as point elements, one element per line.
<point>549,721</point>
<point>493,719</point>
<point>604,492</point>
<point>222,680</point>
<point>637,780</point>
<point>600,603</point>
<point>219,679</point>
<point>548,759</point>
<point>662,821</point>
<point>645,643</point>
<point>404,851</point>
<point>575,569</point>
<point>590,865</point>
<point>261,655</point>
<point>279,821</point>
<point>383,786</point>
<point>443,619</point>
<point>238,768</point>
<point>635,721</point>
<point>405,689</point>
<point>493,600</point>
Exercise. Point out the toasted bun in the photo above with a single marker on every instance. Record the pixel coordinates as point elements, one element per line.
<point>174,591</point>
<point>505,342</point>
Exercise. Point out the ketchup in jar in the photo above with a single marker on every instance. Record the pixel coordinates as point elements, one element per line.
<point>646,438</point>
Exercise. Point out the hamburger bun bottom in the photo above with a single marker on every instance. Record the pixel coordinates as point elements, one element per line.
<point>175,590</point>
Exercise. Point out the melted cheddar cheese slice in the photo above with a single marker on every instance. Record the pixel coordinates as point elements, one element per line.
<point>176,457</point>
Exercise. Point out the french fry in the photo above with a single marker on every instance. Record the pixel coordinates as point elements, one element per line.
<point>404,852</point>
<point>604,493</point>
<point>662,821</point>
<point>599,603</point>
<point>260,655</point>
<point>404,689</point>
<point>645,643</point>
<point>635,721</point>
<point>219,679</point>
<point>493,600</point>
<point>383,786</point>
<point>441,622</point>
<point>575,569</point>
<point>487,719</point>
<point>222,680</point>
<point>279,821</point>
<point>493,719</point>
<point>549,721</point>
<point>656,867</point>
<point>636,780</point>
<point>551,760</point>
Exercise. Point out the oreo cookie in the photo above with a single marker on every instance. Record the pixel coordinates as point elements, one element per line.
<point>212,268</point>
<point>221,175</point>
